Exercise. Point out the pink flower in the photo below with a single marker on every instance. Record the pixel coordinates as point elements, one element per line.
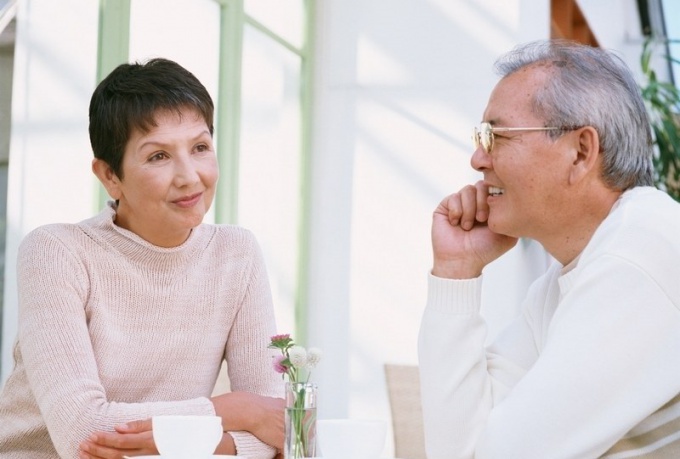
<point>283,337</point>
<point>295,361</point>
<point>281,342</point>
<point>278,365</point>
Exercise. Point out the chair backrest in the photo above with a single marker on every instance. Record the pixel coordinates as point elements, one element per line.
<point>403,389</point>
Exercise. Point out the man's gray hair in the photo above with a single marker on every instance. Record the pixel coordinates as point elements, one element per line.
<point>590,86</point>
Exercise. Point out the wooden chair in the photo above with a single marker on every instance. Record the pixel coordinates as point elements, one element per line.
<point>403,389</point>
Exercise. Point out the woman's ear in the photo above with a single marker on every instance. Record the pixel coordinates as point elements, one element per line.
<point>108,178</point>
<point>587,158</point>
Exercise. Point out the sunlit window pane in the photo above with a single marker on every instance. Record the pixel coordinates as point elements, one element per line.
<point>269,183</point>
<point>671,11</point>
<point>186,31</point>
<point>283,17</point>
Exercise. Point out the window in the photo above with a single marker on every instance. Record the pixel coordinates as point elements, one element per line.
<point>7,27</point>
<point>671,14</point>
<point>271,172</point>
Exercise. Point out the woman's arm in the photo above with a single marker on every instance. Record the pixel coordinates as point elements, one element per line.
<point>134,439</point>
<point>260,415</point>
<point>56,349</point>
<point>254,411</point>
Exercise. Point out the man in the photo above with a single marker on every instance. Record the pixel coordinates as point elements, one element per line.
<point>591,368</point>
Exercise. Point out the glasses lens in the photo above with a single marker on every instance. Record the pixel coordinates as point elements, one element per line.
<point>475,137</point>
<point>486,136</point>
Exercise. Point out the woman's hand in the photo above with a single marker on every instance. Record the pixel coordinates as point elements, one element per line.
<point>261,416</point>
<point>131,439</point>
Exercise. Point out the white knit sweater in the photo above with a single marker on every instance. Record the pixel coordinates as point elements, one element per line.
<point>590,369</point>
<point>114,329</point>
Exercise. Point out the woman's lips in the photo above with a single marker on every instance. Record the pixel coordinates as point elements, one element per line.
<point>188,201</point>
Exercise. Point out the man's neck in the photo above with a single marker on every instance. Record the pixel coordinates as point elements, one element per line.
<point>578,224</point>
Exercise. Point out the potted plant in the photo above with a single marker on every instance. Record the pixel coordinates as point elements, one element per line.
<point>663,105</point>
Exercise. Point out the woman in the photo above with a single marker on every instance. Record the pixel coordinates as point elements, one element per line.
<point>130,314</point>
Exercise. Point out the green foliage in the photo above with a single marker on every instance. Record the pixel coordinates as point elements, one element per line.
<point>663,105</point>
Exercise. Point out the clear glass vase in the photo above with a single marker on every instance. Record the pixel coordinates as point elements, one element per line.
<point>300,420</point>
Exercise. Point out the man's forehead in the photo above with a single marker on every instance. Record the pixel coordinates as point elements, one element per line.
<point>513,95</point>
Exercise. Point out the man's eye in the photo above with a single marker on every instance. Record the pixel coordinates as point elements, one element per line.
<point>202,148</point>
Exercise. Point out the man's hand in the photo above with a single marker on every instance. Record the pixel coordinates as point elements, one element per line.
<point>462,242</point>
<point>131,439</point>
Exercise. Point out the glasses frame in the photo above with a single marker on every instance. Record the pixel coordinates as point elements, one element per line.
<point>483,135</point>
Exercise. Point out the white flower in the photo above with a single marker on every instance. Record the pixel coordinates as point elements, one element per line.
<point>313,357</point>
<point>297,356</point>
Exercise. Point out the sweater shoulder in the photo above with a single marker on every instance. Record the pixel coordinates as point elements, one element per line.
<point>642,227</point>
<point>64,234</point>
<point>232,237</point>
<point>641,233</point>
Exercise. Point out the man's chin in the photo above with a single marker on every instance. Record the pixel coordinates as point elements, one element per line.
<point>501,227</point>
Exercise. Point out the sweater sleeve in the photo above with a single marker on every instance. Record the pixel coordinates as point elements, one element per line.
<point>55,345</point>
<point>248,357</point>
<point>455,391</point>
<point>611,359</point>
<point>604,361</point>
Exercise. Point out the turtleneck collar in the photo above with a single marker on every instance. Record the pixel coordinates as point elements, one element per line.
<point>136,248</point>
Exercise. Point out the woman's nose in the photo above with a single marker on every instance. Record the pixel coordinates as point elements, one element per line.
<point>186,171</point>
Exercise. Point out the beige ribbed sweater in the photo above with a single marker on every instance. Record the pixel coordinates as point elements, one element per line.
<point>113,329</point>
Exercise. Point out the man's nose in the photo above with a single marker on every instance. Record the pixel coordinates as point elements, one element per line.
<point>480,159</point>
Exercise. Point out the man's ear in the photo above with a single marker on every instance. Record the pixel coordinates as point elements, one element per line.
<point>108,178</point>
<point>587,154</point>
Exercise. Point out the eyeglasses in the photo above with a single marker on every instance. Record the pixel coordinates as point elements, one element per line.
<point>484,134</point>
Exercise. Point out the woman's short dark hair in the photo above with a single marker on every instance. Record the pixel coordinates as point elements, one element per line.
<point>130,97</point>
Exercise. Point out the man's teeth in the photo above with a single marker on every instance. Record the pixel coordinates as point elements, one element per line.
<point>495,191</point>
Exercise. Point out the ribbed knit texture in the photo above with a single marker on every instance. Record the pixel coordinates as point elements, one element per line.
<point>114,329</point>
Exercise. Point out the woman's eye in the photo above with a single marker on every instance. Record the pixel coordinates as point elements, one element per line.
<point>158,156</point>
<point>202,147</point>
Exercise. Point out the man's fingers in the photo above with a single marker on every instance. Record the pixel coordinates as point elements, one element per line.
<point>482,207</point>
<point>467,207</point>
<point>468,212</point>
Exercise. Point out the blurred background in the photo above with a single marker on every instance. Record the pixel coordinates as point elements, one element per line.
<point>340,126</point>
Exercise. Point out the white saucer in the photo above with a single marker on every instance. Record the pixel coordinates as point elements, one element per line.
<point>156,456</point>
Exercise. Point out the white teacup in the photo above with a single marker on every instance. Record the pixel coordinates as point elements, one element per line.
<point>351,438</point>
<point>186,437</point>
